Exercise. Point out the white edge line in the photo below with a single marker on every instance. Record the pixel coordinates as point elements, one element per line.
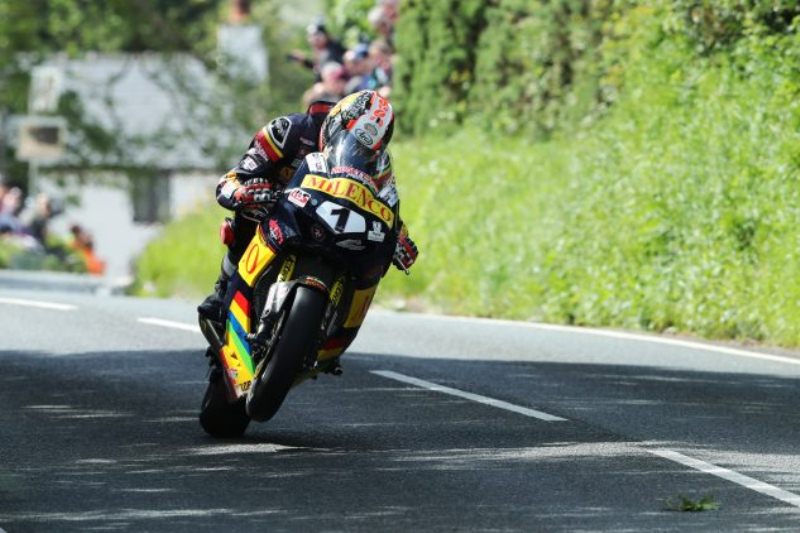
<point>533,413</point>
<point>621,335</point>
<point>169,324</point>
<point>730,475</point>
<point>39,304</point>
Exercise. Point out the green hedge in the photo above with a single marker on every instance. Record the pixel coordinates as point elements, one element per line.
<point>678,210</point>
<point>521,66</point>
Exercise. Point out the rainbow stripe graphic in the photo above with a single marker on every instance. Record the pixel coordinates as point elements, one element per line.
<point>239,361</point>
<point>239,327</point>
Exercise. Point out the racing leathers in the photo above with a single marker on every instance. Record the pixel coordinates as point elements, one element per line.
<point>251,187</point>
<point>248,189</point>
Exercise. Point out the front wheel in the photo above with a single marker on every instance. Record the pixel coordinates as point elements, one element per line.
<point>218,417</point>
<point>297,341</point>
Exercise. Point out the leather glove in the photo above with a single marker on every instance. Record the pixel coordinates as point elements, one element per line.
<point>405,253</point>
<point>255,192</point>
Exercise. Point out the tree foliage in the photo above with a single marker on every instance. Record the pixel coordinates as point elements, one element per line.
<point>35,30</point>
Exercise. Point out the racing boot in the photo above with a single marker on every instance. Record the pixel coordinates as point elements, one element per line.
<point>213,307</point>
<point>335,367</point>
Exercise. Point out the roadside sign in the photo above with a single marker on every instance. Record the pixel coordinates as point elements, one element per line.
<point>41,138</point>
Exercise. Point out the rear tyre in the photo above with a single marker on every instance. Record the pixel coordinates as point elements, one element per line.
<point>218,417</point>
<point>298,340</point>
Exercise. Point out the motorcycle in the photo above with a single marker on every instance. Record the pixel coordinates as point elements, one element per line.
<point>301,289</point>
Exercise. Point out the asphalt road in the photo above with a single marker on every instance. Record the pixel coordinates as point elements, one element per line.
<point>438,424</point>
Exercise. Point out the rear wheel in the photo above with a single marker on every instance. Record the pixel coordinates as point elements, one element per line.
<point>297,341</point>
<point>218,417</point>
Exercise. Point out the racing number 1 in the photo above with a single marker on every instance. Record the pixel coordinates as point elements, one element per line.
<point>342,215</point>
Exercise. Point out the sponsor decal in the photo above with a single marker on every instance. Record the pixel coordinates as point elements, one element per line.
<point>381,112</point>
<point>257,256</point>
<point>259,149</point>
<point>275,232</point>
<point>389,195</point>
<point>249,163</point>
<point>376,234</point>
<point>364,137</point>
<point>352,244</point>
<point>316,163</point>
<point>336,292</point>
<point>353,172</point>
<point>353,191</point>
<point>287,269</point>
<point>299,198</point>
<point>251,261</point>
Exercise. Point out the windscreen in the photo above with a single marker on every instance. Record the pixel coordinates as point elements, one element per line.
<point>346,152</point>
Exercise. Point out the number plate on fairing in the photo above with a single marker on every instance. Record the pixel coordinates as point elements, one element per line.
<point>341,219</point>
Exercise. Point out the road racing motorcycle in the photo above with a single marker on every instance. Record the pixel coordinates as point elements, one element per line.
<point>301,289</point>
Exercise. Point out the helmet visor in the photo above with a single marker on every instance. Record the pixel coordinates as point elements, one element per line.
<point>346,151</point>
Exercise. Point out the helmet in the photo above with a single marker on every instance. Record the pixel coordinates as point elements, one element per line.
<point>367,115</point>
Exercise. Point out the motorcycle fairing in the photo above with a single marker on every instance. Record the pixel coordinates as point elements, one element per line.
<point>296,221</point>
<point>236,356</point>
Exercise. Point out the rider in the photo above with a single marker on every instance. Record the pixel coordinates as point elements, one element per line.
<point>275,153</point>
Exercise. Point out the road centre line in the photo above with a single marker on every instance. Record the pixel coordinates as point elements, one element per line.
<point>533,413</point>
<point>39,304</point>
<point>169,324</point>
<point>621,335</point>
<point>729,475</point>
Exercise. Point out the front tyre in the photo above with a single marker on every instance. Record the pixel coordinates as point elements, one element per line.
<point>218,417</point>
<point>297,342</point>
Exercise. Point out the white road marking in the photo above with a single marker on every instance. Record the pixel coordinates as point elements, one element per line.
<point>696,464</point>
<point>730,475</point>
<point>39,304</point>
<point>170,324</point>
<point>469,396</point>
<point>622,335</point>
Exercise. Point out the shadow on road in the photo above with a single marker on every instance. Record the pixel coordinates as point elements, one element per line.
<point>110,441</point>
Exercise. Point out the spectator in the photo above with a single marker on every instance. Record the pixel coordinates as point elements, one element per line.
<point>10,207</point>
<point>390,10</point>
<point>323,49</point>
<point>358,67</point>
<point>83,243</point>
<point>331,88</point>
<point>42,213</point>
<point>380,79</point>
<point>11,203</point>
<point>382,25</point>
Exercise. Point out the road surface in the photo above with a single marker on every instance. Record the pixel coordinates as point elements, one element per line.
<point>438,424</point>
